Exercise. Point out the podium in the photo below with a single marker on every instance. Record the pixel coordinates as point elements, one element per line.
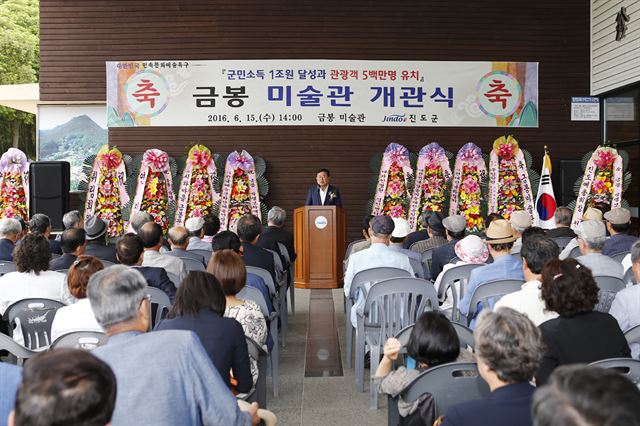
<point>320,235</point>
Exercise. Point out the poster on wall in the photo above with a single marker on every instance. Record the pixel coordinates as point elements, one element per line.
<point>322,93</point>
<point>71,133</point>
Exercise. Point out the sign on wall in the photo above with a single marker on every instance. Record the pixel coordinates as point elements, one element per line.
<point>322,93</point>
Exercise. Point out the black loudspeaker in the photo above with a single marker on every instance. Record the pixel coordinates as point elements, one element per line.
<point>49,185</point>
<point>570,171</point>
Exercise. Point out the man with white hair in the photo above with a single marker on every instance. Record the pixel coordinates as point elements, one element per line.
<point>138,219</point>
<point>72,219</point>
<point>563,224</point>
<point>520,221</point>
<point>275,233</point>
<point>195,226</point>
<point>10,230</point>
<point>187,388</point>
<point>591,238</point>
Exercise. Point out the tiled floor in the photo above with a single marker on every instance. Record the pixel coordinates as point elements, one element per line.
<point>319,400</point>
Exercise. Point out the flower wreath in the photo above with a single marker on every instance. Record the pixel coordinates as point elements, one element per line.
<point>14,184</point>
<point>154,192</point>
<point>197,194</point>
<point>509,185</point>
<point>392,191</point>
<point>432,176</point>
<point>602,182</point>
<point>466,189</point>
<point>239,189</point>
<point>107,194</point>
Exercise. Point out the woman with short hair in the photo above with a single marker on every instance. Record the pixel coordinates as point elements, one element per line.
<point>199,307</point>
<point>78,316</point>
<point>579,334</point>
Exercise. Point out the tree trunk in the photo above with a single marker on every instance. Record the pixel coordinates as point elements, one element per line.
<point>15,133</point>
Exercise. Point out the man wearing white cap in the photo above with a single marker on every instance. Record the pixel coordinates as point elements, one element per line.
<point>398,236</point>
<point>618,224</point>
<point>520,221</point>
<point>195,226</point>
<point>590,213</point>
<point>591,238</point>
<point>454,226</point>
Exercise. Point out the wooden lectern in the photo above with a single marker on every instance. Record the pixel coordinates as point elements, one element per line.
<point>320,235</point>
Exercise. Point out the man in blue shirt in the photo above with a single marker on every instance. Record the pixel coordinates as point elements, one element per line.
<point>10,377</point>
<point>618,224</point>
<point>164,377</point>
<point>505,266</point>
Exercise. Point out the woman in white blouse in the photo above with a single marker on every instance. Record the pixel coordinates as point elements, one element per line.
<point>78,316</point>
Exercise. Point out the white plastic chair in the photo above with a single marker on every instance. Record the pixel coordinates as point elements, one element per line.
<point>608,288</point>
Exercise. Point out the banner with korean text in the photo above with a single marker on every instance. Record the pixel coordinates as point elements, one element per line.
<point>322,93</point>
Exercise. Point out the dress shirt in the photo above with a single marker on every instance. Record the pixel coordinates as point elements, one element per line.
<point>224,341</point>
<point>187,389</point>
<point>195,243</point>
<point>508,405</point>
<point>10,378</point>
<point>626,310</point>
<point>76,317</point>
<point>323,193</point>
<point>505,267</point>
<point>376,256</point>
<point>431,243</point>
<point>414,237</point>
<point>529,302</point>
<point>618,243</point>
<point>63,262</point>
<point>601,265</point>
<point>178,252</point>
<point>441,256</point>
<point>581,339</point>
<point>6,249</point>
<point>171,264</point>
<point>16,286</point>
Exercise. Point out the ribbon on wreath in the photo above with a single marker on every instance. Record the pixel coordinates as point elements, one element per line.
<point>14,165</point>
<point>199,158</point>
<point>470,155</point>
<point>393,154</point>
<point>157,161</point>
<point>238,161</point>
<point>601,158</point>
<point>432,157</point>
<point>106,161</point>
<point>507,149</point>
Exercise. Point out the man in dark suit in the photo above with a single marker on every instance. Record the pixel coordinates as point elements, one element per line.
<point>73,243</point>
<point>97,246</point>
<point>323,194</point>
<point>130,251</point>
<point>249,230</point>
<point>275,234</point>
<point>455,229</point>
<point>10,230</point>
<point>563,224</point>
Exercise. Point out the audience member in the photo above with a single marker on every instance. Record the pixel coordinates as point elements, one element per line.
<point>40,223</point>
<point>138,219</point>
<point>32,277</point>
<point>130,252</point>
<point>73,219</point>
<point>65,387</point>
<point>536,252</point>
<point>532,232</point>
<point>10,378</point>
<point>77,316</point>
<point>591,238</point>
<point>563,224</point>
<point>626,306</point>
<point>509,350</point>
<point>229,269</point>
<point>199,307</point>
<point>396,242</point>
<point>190,390</point>
<point>151,235</point>
<point>469,250</point>
<point>249,230</point>
<point>195,226</point>
<point>10,230</point>
<point>491,217</point>
<point>275,233</point>
<point>25,228</point>
<point>178,237</point>
<point>96,236</point>
<point>580,395</point>
<point>618,224</point>
<point>579,334</point>
<point>422,233</point>
<point>378,255</point>
<point>500,240</point>
<point>73,244</point>
<point>589,214</point>
<point>433,341</point>
<point>520,221</point>
<point>363,244</point>
<point>436,233</point>
<point>211,227</point>
<point>454,226</point>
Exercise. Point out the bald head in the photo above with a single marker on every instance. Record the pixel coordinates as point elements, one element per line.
<point>151,235</point>
<point>179,237</point>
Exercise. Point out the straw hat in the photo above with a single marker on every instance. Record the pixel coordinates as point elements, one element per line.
<point>592,214</point>
<point>500,231</point>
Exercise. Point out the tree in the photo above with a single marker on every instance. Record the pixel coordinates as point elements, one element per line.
<point>19,63</point>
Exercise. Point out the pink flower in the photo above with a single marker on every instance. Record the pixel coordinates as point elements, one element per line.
<point>598,185</point>
<point>396,211</point>
<point>604,158</point>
